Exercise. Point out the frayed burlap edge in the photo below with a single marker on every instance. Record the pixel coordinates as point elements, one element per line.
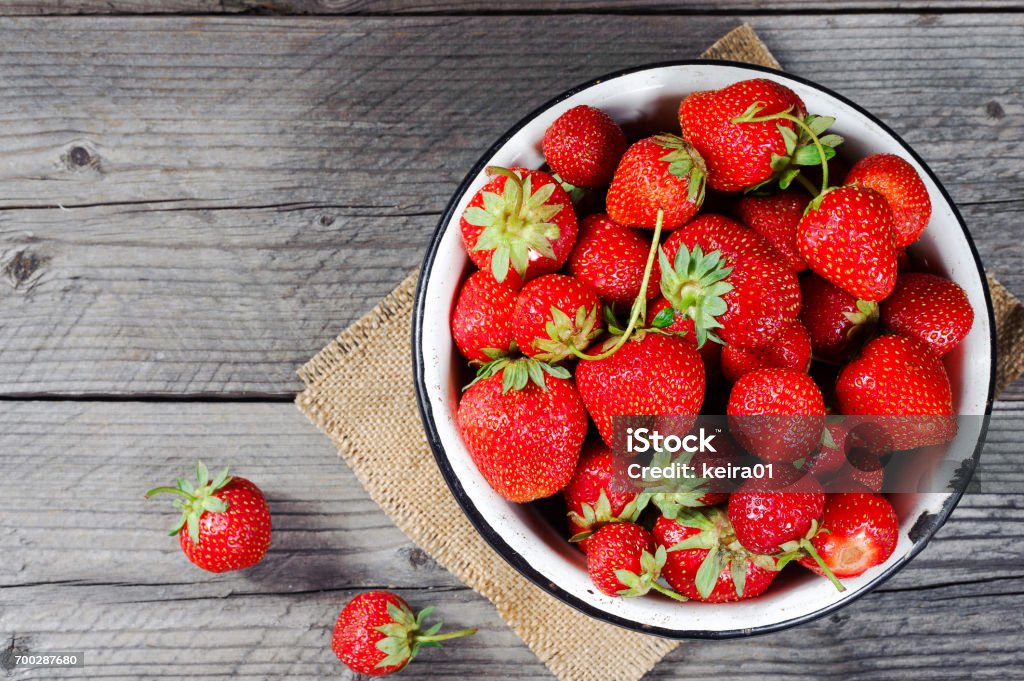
<point>359,391</point>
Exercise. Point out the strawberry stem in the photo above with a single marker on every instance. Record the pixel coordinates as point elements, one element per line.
<point>445,637</point>
<point>169,490</point>
<point>807,184</point>
<point>639,305</point>
<point>813,553</point>
<point>786,116</point>
<point>665,591</point>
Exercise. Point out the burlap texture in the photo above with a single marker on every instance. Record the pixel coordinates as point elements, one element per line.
<point>359,387</point>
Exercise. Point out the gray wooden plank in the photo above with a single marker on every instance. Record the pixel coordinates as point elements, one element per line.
<point>332,7</point>
<point>201,203</point>
<point>87,565</point>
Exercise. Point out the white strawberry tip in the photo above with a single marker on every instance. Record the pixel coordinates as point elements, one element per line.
<point>519,372</point>
<point>196,499</point>
<point>517,223</point>
<point>694,285</point>
<point>806,148</point>
<point>404,636</point>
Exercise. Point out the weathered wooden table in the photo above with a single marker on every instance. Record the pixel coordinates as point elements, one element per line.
<point>191,205</point>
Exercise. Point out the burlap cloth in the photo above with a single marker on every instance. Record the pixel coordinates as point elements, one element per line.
<point>361,386</point>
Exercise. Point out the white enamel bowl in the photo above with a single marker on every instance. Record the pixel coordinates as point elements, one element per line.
<point>520,533</point>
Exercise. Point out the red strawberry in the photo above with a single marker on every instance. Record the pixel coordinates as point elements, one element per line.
<point>523,430</point>
<point>836,321</point>
<point>862,470</point>
<point>902,377</point>
<point>862,531</point>
<point>622,561</point>
<point>830,456</point>
<point>768,515</point>
<point>611,258</point>
<point>710,353</point>
<point>928,307</point>
<point>650,374</point>
<point>706,563</point>
<point>658,175</point>
<point>553,312</point>
<point>791,349</point>
<point>775,218</point>
<point>729,278</point>
<point>583,146</point>
<point>903,189</point>
<point>227,519</point>
<point>377,634</point>
<point>777,414</point>
<point>519,225</point>
<point>591,497</point>
<point>846,236</point>
<point>482,320</point>
<point>747,134</point>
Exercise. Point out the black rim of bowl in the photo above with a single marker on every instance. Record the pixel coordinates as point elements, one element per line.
<point>925,527</point>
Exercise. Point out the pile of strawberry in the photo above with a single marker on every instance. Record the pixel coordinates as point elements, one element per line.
<point>714,270</point>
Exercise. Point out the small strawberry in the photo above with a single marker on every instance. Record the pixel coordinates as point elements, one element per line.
<point>722,275</point>
<point>611,258</point>
<point>482,319</point>
<point>836,322</point>
<point>593,500</point>
<point>520,225</point>
<point>553,314</point>
<point>776,217</point>
<point>791,349</point>
<point>227,520</point>
<point>377,634</point>
<point>777,414</point>
<point>860,531</point>
<point>903,189</point>
<point>705,562</point>
<point>904,378</point>
<point>622,561</point>
<point>660,180</point>
<point>651,373</point>
<point>753,132</point>
<point>584,146</point>
<point>928,307</point>
<point>523,430</point>
<point>846,236</point>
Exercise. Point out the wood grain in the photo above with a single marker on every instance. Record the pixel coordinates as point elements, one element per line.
<point>197,205</point>
<point>88,566</point>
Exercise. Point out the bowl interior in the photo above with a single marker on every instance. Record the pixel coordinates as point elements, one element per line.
<point>521,533</point>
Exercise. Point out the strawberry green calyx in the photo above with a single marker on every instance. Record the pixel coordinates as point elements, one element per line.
<point>515,222</point>
<point>565,332</point>
<point>576,194</point>
<point>600,513</point>
<point>196,499</point>
<point>684,161</point>
<point>519,372</point>
<point>864,320</point>
<point>806,148</point>
<point>803,547</point>
<point>405,636</point>
<point>694,285</point>
<point>715,534</point>
<point>650,570</point>
<point>672,497</point>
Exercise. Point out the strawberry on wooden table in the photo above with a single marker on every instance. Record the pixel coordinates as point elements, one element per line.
<point>777,414</point>
<point>791,349</point>
<point>584,146</point>
<point>651,373</point>
<point>836,321</point>
<point>520,225</point>
<point>377,633</point>
<point>861,531</point>
<point>928,307</point>
<point>623,562</point>
<point>482,319</point>
<point>901,383</point>
<point>611,258</point>
<point>705,562</point>
<point>754,132</point>
<point>846,237</point>
<point>725,277</point>
<point>553,314</point>
<point>591,498</point>
<point>524,424</point>
<point>904,191</point>
<point>775,217</point>
<point>227,520</point>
